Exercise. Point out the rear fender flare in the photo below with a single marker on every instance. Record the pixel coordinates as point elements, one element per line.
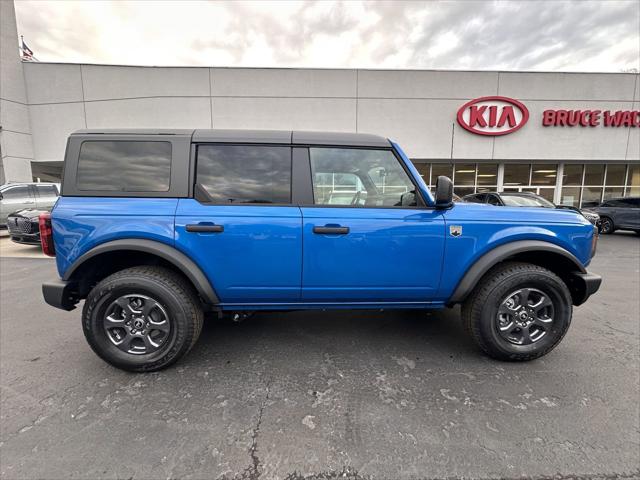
<point>178,259</point>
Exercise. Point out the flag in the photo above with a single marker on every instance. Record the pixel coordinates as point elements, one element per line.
<point>27,54</point>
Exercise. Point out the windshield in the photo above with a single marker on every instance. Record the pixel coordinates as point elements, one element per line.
<point>526,201</point>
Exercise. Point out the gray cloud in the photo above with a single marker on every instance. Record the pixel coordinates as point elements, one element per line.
<point>510,35</point>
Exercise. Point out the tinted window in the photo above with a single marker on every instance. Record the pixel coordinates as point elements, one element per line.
<point>46,190</point>
<point>630,202</point>
<point>124,166</point>
<point>16,193</point>
<point>474,198</point>
<point>359,177</point>
<point>494,200</point>
<point>245,173</point>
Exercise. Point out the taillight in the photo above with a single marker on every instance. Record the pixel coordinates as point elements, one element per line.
<point>46,234</point>
<point>594,241</point>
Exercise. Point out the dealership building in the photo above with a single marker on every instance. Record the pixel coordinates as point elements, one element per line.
<point>573,138</point>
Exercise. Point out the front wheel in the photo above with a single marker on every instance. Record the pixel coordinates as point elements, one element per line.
<point>142,319</point>
<point>606,225</point>
<point>518,312</point>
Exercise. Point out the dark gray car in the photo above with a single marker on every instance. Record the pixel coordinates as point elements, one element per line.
<point>619,214</point>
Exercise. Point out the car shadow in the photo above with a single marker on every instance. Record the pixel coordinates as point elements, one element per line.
<point>437,334</point>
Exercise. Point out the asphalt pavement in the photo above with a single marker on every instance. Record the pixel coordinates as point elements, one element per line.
<point>319,395</point>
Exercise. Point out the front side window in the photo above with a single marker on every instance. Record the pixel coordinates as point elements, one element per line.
<point>360,177</point>
<point>237,174</point>
<point>16,193</point>
<point>493,200</point>
<point>124,166</point>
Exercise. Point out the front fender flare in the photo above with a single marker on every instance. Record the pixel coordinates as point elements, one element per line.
<point>162,250</point>
<point>501,253</point>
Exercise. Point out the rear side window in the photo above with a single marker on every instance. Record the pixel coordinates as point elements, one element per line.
<point>124,166</point>
<point>46,190</point>
<point>237,174</point>
<point>630,202</point>
<point>475,198</point>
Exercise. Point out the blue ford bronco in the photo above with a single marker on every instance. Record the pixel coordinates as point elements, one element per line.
<point>156,228</point>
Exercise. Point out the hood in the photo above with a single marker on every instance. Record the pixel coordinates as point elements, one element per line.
<point>540,215</point>
<point>27,213</point>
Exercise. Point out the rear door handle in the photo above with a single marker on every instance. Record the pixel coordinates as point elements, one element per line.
<point>331,230</point>
<point>204,227</point>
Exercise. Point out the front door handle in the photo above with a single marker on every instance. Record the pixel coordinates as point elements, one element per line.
<point>204,228</point>
<point>331,230</point>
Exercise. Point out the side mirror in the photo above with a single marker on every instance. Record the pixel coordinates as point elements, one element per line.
<point>408,199</point>
<point>444,192</point>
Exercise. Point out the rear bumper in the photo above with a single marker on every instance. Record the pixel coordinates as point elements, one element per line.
<point>583,286</point>
<point>59,294</point>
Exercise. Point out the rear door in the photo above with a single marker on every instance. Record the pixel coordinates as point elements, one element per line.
<point>365,237</point>
<point>241,227</point>
<point>614,209</point>
<point>628,216</point>
<point>46,196</point>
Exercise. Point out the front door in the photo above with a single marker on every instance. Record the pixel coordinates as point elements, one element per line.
<point>366,240</point>
<point>241,227</point>
<point>15,198</point>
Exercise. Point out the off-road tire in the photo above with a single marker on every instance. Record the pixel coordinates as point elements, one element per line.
<point>479,311</point>
<point>169,288</point>
<point>606,225</point>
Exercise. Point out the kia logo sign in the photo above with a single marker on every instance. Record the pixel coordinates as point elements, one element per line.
<point>493,115</point>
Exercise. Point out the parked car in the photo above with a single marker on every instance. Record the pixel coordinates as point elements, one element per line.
<point>526,199</point>
<point>20,196</point>
<point>155,228</point>
<point>23,226</point>
<point>619,214</point>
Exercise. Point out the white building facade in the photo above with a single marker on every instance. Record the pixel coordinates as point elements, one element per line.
<point>572,137</point>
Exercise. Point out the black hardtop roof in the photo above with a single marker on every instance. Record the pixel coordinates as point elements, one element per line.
<point>254,136</point>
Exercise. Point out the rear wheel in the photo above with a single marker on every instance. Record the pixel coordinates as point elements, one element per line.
<point>606,225</point>
<point>518,312</point>
<point>142,318</point>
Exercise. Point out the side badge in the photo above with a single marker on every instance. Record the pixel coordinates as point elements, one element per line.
<point>455,230</point>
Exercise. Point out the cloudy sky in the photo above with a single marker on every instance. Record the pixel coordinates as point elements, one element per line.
<point>509,35</point>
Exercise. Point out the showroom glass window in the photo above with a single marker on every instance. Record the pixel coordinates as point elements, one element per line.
<point>615,181</point>
<point>633,181</point>
<point>586,185</point>
<point>516,175</point>
<point>241,174</point>
<point>572,184</point>
<point>124,166</point>
<point>424,169</point>
<point>438,169</point>
<point>464,179</point>
<point>487,176</point>
<point>358,177</point>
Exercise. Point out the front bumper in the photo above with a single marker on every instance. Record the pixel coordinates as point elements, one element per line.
<point>583,285</point>
<point>25,239</point>
<point>60,294</point>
